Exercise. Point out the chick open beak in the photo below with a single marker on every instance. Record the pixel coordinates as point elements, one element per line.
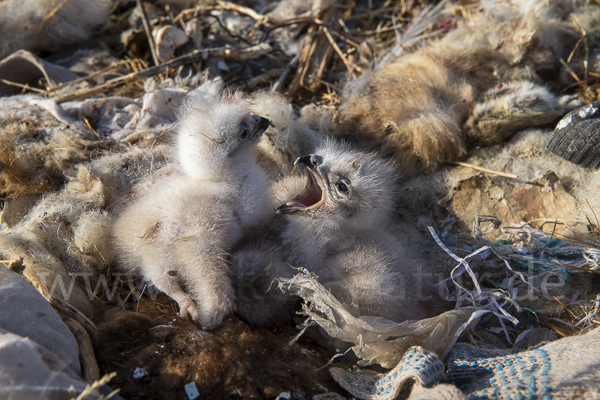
<point>312,195</point>
<point>260,126</point>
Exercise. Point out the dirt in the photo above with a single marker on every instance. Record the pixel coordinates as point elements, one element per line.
<point>235,361</point>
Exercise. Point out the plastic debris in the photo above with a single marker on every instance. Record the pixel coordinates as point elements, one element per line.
<point>377,340</point>
<point>191,390</point>
<point>139,373</point>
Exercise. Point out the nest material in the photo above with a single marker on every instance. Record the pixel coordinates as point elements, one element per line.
<point>308,53</point>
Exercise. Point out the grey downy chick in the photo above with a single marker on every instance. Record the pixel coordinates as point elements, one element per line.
<point>258,262</point>
<point>259,299</point>
<point>342,227</point>
<point>288,137</point>
<point>178,234</point>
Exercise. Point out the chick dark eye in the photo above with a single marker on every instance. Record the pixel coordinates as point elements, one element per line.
<point>244,130</point>
<point>342,187</point>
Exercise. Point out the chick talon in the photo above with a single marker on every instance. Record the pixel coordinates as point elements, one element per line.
<point>188,308</point>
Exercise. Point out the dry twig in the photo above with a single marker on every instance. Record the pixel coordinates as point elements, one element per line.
<point>148,30</point>
<point>577,268</point>
<point>489,171</point>
<point>225,51</point>
<point>24,87</point>
<point>263,78</point>
<point>51,15</point>
<point>338,51</point>
<point>90,389</point>
<point>223,5</point>
<point>87,77</point>
<point>89,365</point>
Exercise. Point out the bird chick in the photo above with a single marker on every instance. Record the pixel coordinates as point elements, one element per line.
<point>288,137</point>
<point>255,269</point>
<point>342,228</point>
<point>179,232</point>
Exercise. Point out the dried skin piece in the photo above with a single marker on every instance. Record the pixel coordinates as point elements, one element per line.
<point>168,39</point>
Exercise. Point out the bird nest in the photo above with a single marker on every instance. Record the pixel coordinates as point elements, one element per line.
<point>81,131</point>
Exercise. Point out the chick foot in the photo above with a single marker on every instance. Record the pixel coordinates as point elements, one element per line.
<point>188,307</point>
<point>211,313</point>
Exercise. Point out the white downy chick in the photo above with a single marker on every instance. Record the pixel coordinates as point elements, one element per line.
<point>178,234</point>
<point>342,228</point>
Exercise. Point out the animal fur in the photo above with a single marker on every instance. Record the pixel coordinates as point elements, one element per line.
<point>507,109</point>
<point>37,144</point>
<point>476,86</point>
<point>414,108</point>
<point>65,238</point>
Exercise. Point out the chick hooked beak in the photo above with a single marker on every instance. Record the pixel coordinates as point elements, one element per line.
<point>312,195</point>
<point>260,126</point>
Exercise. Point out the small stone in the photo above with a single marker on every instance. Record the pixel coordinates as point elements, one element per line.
<point>168,39</point>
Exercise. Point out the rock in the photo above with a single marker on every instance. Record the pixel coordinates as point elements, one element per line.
<point>26,313</point>
<point>168,39</point>
<point>483,195</point>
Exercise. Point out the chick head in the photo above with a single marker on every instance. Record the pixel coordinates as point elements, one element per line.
<point>215,131</point>
<point>346,188</point>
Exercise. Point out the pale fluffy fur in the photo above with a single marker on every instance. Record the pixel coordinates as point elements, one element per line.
<point>64,236</point>
<point>38,142</point>
<point>178,234</point>
<point>414,108</point>
<point>288,138</point>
